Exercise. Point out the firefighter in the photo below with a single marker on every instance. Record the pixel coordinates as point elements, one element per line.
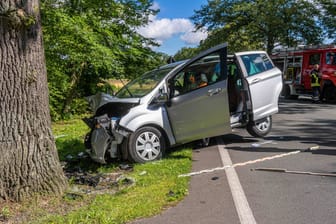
<point>315,83</point>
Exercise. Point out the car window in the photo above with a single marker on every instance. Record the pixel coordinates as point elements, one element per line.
<point>331,58</point>
<point>314,59</point>
<point>256,63</point>
<point>199,74</point>
<point>142,85</point>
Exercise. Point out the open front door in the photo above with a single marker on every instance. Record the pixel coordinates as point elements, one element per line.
<point>264,82</point>
<point>198,105</point>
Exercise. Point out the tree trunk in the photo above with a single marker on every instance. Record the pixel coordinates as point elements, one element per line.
<point>29,161</point>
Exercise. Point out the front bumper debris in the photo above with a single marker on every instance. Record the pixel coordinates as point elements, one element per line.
<point>105,137</point>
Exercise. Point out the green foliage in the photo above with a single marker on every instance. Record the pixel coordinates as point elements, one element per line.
<point>238,41</point>
<point>328,13</point>
<point>258,23</point>
<point>5,213</point>
<point>69,136</point>
<point>86,41</point>
<point>186,53</point>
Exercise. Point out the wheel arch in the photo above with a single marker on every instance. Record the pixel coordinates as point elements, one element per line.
<point>162,130</point>
<point>124,144</point>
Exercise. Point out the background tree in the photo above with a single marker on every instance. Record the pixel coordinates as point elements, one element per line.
<point>89,40</point>
<point>258,22</point>
<point>186,53</point>
<point>29,162</point>
<point>328,14</point>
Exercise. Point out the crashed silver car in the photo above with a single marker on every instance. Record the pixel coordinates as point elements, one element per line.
<point>205,96</point>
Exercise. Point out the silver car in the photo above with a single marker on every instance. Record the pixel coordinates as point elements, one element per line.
<point>205,96</point>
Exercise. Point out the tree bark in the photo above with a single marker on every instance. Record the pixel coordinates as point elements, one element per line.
<point>29,161</point>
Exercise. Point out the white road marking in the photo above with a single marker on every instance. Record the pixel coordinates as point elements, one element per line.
<point>243,209</point>
<point>244,163</point>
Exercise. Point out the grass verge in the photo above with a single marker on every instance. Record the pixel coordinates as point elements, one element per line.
<point>142,191</point>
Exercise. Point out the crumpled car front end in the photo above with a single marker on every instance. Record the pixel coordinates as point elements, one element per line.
<point>106,136</point>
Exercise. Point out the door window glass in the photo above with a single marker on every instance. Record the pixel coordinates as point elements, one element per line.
<point>331,58</point>
<point>314,59</point>
<point>142,85</point>
<point>256,63</point>
<point>199,74</point>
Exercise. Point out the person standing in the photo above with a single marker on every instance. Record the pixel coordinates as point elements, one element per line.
<point>315,83</point>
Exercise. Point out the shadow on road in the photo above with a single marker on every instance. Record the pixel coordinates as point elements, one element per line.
<point>298,121</point>
<point>301,106</point>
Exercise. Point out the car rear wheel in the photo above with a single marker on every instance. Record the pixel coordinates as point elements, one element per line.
<point>286,92</point>
<point>329,93</point>
<point>145,145</point>
<point>260,128</point>
<point>205,142</point>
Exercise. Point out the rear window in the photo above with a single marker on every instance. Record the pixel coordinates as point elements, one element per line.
<point>257,63</point>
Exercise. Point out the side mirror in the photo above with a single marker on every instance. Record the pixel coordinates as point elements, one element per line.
<point>161,98</point>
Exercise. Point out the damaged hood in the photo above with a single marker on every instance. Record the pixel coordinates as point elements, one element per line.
<point>104,103</point>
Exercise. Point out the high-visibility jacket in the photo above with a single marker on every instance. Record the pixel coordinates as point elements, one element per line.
<point>314,78</point>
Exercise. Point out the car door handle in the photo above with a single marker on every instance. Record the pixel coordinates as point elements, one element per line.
<point>255,80</point>
<point>212,92</point>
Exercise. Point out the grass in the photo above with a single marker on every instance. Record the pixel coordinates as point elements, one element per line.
<point>155,186</point>
<point>154,189</point>
<point>69,137</point>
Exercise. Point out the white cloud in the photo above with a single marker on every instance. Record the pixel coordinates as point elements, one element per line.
<point>155,6</point>
<point>163,29</point>
<point>194,37</point>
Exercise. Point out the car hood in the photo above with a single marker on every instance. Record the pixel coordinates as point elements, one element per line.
<point>103,103</point>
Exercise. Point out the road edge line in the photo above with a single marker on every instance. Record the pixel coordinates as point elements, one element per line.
<point>242,206</point>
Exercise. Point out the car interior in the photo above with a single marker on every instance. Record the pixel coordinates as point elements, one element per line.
<point>201,74</point>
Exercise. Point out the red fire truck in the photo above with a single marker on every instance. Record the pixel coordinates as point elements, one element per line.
<point>296,64</point>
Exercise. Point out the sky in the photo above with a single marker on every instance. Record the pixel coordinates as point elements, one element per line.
<point>172,27</point>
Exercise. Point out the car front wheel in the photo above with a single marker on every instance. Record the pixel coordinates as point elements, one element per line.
<point>145,145</point>
<point>260,128</point>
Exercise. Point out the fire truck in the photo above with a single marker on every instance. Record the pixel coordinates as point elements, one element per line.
<point>296,65</point>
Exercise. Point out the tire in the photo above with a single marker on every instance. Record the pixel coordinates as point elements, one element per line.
<point>205,142</point>
<point>286,92</point>
<point>145,145</point>
<point>260,128</point>
<point>87,140</point>
<point>329,93</point>
<point>294,97</point>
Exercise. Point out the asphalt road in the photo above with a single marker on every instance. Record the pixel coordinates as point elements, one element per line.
<point>294,187</point>
<point>277,197</point>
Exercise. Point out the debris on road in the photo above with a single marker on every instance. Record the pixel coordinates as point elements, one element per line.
<point>316,147</point>
<point>280,170</point>
<point>85,181</point>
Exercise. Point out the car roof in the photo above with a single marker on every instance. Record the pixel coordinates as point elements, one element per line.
<point>173,65</point>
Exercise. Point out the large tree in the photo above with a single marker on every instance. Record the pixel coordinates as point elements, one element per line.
<point>29,162</point>
<point>255,22</point>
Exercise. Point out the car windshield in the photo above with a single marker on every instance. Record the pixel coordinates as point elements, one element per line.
<point>142,85</point>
